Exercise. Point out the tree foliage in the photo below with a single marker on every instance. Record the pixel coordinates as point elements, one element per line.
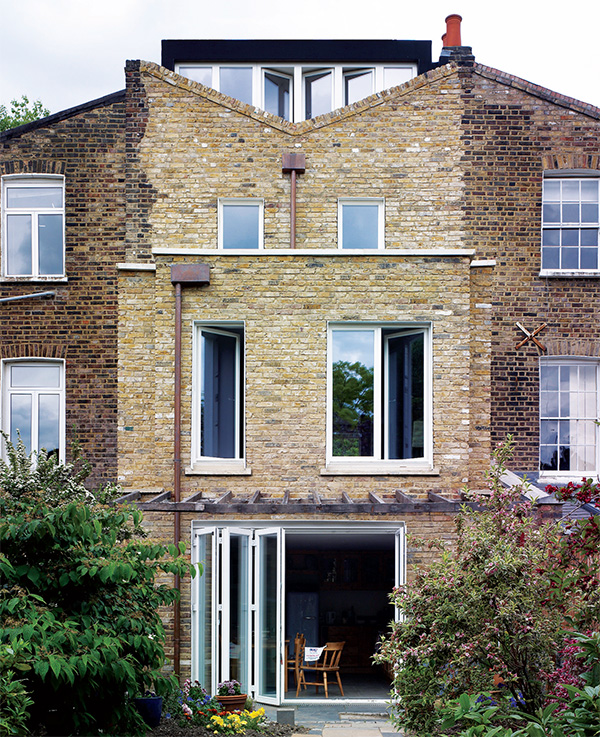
<point>80,597</point>
<point>21,111</point>
<point>496,606</point>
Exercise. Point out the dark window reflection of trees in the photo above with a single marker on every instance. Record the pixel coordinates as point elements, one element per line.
<point>352,409</point>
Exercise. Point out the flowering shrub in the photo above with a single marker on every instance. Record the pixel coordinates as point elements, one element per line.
<point>497,605</point>
<point>237,722</point>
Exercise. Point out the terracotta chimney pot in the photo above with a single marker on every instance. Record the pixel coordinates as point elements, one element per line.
<point>452,35</point>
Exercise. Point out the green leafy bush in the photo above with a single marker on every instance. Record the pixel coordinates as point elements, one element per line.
<point>79,589</point>
<point>14,701</point>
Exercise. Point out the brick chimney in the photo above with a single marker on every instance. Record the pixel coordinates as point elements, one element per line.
<point>453,50</point>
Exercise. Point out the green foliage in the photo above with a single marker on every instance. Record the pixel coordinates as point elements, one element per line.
<point>352,407</point>
<point>14,701</point>
<point>78,588</point>
<point>496,606</point>
<point>21,112</point>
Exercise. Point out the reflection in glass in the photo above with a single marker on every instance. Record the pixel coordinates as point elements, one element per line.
<point>318,94</point>
<point>405,388</point>
<point>358,85</point>
<point>267,615</point>
<point>49,422</point>
<point>277,95</point>
<point>204,647</point>
<point>239,609</point>
<point>393,76</point>
<point>203,75</point>
<point>20,419</point>
<point>50,235</point>
<point>241,225</point>
<point>34,197</point>
<point>35,375</point>
<point>219,395</point>
<point>18,240</point>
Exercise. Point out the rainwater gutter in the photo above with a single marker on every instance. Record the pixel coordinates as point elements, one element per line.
<point>28,296</point>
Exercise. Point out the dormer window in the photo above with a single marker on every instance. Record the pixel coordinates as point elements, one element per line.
<point>298,92</point>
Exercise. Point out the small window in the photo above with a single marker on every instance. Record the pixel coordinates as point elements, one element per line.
<point>378,393</point>
<point>568,415</point>
<point>218,399</point>
<point>33,212</point>
<point>236,82</point>
<point>278,89</point>
<point>203,75</point>
<point>358,84</point>
<point>570,224</point>
<point>318,93</point>
<point>34,405</point>
<point>393,76</point>
<point>360,223</point>
<point>240,224</point>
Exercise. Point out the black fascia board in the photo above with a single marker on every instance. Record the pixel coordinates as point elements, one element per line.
<point>296,52</point>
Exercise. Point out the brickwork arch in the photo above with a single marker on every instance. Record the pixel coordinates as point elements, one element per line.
<point>33,350</point>
<point>585,347</point>
<point>571,161</point>
<point>41,166</point>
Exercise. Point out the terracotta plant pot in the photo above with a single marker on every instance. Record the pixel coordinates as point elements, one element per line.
<point>233,702</point>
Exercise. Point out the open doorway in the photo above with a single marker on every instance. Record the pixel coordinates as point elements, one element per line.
<point>337,590</point>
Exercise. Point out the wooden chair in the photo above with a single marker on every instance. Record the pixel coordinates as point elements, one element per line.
<point>328,663</point>
<point>294,659</point>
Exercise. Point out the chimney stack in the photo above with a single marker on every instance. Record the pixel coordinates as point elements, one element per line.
<point>452,49</point>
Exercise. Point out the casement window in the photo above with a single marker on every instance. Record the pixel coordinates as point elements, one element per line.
<point>218,392</point>
<point>570,224</point>
<point>298,92</point>
<point>33,213</point>
<point>240,223</point>
<point>360,223</point>
<point>379,394</point>
<point>568,414</point>
<point>33,404</point>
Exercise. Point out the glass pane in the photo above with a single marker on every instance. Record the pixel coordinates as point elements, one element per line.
<point>589,236</point>
<point>358,86</point>
<point>239,610</point>
<point>551,237</point>
<point>49,423</point>
<point>198,74</point>
<point>267,615</point>
<point>393,76</point>
<point>277,95</point>
<point>405,396</point>
<point>353,384</point>
<point>237,82</point>
<point>18,237</point>
<point>549,404</point>
<point>564,458</point>
<point>550,258</point>
<point>587,378</point>
<point>218,421</point>
<point>548,432</point>
<point>548,458</point>
<point>589,258</point>
<point>204,646</point>
<point>551,190</point>
<point>34,376</point>
<point>34,197</point>
<point>50,244</point>
<point>570,213</point>
<point>589,190</point>
<point>241,226</point>
<point>570,237</point>
<point>317,92</point>
<point>20,419</point>
<point>570,190</point>
<point>551,213</point>
<point>549,378</point>
<point>570,258</point>
<point>360,226</point>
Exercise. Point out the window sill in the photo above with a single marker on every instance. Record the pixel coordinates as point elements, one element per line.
<point>572,274</point>
<point>219,468</point>
<point>378,468</point>
<point>32,279</point>
<point>555,478</point>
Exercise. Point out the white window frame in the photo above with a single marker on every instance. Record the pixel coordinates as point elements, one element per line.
<point>570,474</point>
<point>579,175</point>
<point>298,74</point>
<point>255,202</point>
<point>361,202</point>
<point>214,464</point>
<point>284,73</point>
<point>378,463</point>
<point>34,392</point>
<point>31,181</point>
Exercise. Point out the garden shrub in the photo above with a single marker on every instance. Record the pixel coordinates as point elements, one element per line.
<point>14,701</point>
<point>79,590</point>
<point>495,606</point>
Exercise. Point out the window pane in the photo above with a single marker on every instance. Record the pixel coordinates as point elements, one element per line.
<point>552,213</point>
<point>550,258</point>
<point>360,226</point>
<point>50,244</point>
<point>589,258</point>
<point>570,189</point>
<point>34,197</point>
<point>549,378</point>
<point>198,74</point>
<point>551,190</point>
<point>35,376</point>
<point>353,385</point>
<point>18,261</point>
<point>570,213</point>
<point>318,94</point>
<point>20,419</point>
<point>393,77</point>
<point>277,95</point>
<point>218,420</point>
<point>570,258</point>
<point>589,213</point>
<point>241,226</point>
<point>405,410</point>
<point>589,190</point>
<point>237,82</point>
<point>358,85</point>
<point>49,422</point>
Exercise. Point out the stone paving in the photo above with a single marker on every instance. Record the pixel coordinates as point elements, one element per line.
<point>338,720</point>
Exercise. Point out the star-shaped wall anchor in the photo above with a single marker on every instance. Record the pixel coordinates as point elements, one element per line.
<point>531,336</point>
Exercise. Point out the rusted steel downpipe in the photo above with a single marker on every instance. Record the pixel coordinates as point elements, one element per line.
<point>294,164</point>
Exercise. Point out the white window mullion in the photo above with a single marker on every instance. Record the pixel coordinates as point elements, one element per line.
<point>296,109</point>
<point>338,88</point>
<point>377,392</point>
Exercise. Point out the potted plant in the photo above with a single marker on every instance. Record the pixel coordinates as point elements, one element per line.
<point>230,696</point>
<point>150,708</point>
